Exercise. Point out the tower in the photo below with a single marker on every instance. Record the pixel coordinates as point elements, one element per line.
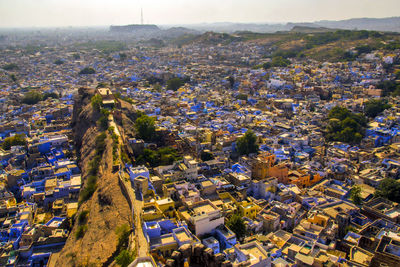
<point>141,16</point>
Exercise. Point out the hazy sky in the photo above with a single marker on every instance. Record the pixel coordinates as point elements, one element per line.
<point>22,13</point>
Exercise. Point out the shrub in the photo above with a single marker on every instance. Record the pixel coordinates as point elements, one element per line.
<point>163,156</point>
<point>124,258</point>
<point>87,70</point>
<point>100,143</point>
<point>237,225</point>
<point>96,102</point>
<point>174,84</point>
<point>16,140</point>
<point>83,216</point>
<point>89,189</point>
<point>10,66</point>
<point>123,233</point>
<point>80,232</point>
<point>32,98</point>
<point>59,62</point>
<point>375,106</point>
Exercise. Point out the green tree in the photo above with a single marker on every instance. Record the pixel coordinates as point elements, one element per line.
<point>237,225</point>
<point>16,140</point>
<point>375,106</point>
<point>87,70</point>
<point>124,258</point>
<point>103,121</point>
<point>279,61</point>
<point>10,66</point>
<point>123,233</point>
<point>231,80</point>
<point>387,87</point>
<point>174,84</point>
<point>247,143</point>
<point>76,56</point>
<point>13,77</point>
<point>145,127</point>
<point>339,113</point>
<point>389,188</point>
<point>163,156</point>
<point>355,195</point>
<point>122,56</point>
<point>345,126</point>
<point>363,49</point>
<point>32,98</point>
<point>96,102</point>
<point>267,65</point>
<point>59,62</point>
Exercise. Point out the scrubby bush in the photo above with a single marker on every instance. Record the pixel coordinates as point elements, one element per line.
<point>87,70</point>
<point>16,140</point>
<point>80,232</point>
<point>83,216</point>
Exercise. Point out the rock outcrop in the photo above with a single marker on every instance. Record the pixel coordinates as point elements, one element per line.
<point>108,208</point>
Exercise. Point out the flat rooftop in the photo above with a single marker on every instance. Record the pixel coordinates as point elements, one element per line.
<point>254,251</point>
<point>205,208</point>
<point>182,236</point>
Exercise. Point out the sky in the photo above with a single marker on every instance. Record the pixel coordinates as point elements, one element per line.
<point>58,13</point>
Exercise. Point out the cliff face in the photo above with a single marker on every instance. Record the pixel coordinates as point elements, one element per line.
<point>107,208</point>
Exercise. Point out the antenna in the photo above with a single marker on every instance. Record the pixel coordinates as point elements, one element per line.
<point>141,13</point>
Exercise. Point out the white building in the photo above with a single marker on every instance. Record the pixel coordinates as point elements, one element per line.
<point>205,217</point>
<point>190,167</point>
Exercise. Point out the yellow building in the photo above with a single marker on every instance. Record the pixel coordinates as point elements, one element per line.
<point>151,212</point>
<point>319,219</point>
<point>248,209</point>
<point>167,206</point>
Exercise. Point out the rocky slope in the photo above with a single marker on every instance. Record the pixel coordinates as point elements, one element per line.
<point>107,208</point>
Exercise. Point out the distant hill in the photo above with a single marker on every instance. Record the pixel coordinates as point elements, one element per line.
<point>374,24</point>
<point>384,24</point>
<point>306,29</point>
<point>152,31</point>
<point>208,38</point>
<point>134,28</point>
<point>176,32</point>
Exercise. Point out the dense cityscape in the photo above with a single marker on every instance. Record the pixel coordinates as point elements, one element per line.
<point>140,146</point>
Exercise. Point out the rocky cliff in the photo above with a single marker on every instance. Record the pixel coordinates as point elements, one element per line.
<point>93,240</point>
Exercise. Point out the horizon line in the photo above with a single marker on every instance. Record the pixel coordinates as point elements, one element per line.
<point>188,24</point>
